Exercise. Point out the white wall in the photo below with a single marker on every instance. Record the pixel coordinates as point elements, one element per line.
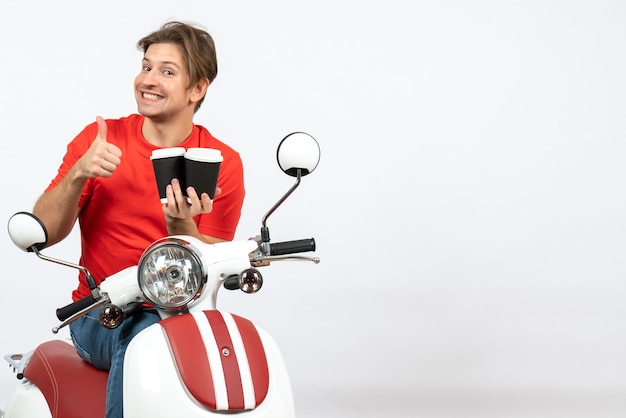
<point>469,206</point>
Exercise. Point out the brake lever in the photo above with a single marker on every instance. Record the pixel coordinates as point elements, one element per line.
<point>80,314</point>
<point>266,260</point>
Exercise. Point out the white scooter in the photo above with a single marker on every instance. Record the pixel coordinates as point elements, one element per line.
<point>197,361</point>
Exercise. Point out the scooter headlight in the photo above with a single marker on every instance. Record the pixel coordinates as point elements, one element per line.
<point>171,273</point>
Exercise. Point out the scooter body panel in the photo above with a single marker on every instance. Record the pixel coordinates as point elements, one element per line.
<point>27,401</point>
<point>153,385</point>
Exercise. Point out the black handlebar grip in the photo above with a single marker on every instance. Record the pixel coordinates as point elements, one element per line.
<point>74,307</point>
<point>291,247</point>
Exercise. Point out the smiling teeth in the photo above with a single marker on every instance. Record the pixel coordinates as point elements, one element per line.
<point>151,96</point>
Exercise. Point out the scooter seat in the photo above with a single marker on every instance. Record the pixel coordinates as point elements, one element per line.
<point>72,387</point>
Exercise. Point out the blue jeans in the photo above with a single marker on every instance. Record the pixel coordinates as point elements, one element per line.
<point>105,348</point>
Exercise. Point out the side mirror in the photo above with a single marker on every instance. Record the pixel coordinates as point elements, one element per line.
<point>27,231</point>
<point>298,154</point>
<point>30,234</point>
<point>298,150</point>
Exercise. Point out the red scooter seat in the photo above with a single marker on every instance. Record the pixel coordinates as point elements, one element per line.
<point>72,387</point>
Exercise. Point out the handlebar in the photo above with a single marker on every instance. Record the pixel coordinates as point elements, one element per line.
<point>275,249</point>
<point>66,311</point>
<point>292,247</point>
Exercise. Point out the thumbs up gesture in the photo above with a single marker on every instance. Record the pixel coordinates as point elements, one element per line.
<point>102,157</point>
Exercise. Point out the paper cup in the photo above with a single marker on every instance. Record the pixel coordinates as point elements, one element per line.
<point>168,164</point>
<point>202,166</point>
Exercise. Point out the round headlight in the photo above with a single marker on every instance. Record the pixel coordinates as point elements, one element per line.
<point>171,274</point>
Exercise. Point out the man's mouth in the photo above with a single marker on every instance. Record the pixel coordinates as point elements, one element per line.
<point>151,96</point>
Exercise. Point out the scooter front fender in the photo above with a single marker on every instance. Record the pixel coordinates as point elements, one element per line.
<point>157,382</point>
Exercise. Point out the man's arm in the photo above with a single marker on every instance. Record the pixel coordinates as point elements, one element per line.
<point>58,208</point>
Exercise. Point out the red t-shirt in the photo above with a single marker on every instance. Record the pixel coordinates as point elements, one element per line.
<point>121,215</point>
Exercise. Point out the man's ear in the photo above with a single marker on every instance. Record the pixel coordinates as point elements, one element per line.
<point>199,90</point>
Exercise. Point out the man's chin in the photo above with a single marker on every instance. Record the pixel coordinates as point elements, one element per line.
<point>152,115</point>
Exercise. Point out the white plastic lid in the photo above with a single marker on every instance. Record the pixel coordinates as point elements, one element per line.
<point>167,152</point>
<point>209,155</point>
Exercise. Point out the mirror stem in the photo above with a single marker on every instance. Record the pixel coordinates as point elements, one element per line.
<point>90,280</point>
<point>264,230</point>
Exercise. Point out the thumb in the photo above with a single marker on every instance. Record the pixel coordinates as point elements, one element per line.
<point>102,128</point>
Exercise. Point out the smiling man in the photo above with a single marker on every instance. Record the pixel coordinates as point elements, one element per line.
<point>106,182</point>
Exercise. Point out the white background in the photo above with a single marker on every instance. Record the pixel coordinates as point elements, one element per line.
<point>469,207</point>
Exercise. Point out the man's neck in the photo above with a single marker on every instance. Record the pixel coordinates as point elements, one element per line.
<point>168,133</point>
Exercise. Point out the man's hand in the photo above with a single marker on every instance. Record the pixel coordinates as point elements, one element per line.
<point>102,158</point>
<point>178,207</point>
<point>179,212</point>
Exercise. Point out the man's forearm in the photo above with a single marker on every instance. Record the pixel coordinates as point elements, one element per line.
<point>58,208</point>
<point>188,227</point>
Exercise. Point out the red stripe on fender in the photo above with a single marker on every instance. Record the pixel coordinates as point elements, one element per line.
<point>256,357</point>
<point>232,374</point>
<point>191,358</point>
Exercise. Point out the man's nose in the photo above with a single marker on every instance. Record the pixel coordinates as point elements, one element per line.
<point>150,78</point>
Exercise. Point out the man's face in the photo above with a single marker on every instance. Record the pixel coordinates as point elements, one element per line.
<point>162,87</point>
